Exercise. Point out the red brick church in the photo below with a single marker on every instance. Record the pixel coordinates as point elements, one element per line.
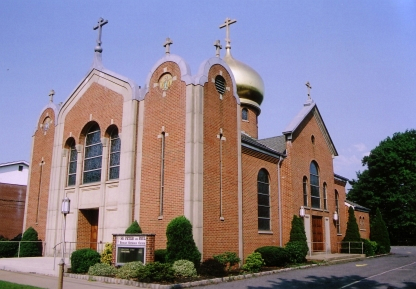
<point>182,144</point>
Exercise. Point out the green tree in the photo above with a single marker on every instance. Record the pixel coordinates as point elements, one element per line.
<point>134,228</point>
<point>297,247</point>
<point>30,249</point>
<point>180,242</point>
<point>352,235</point>
<point>379,234</point>
<point>389,183</point>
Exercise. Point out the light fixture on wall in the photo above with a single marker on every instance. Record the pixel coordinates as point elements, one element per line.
<point>302,211</point>
<point>335,216</point>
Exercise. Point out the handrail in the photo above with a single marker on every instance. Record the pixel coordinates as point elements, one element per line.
<point>349,246</point>
<point>18,250</point>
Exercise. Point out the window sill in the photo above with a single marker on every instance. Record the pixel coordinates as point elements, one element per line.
<point>339,234</point>
<point>266,232</point>
<point>363,230</point>
<point>90,185</point>
<point>112,181</point>
<point>245,120</point>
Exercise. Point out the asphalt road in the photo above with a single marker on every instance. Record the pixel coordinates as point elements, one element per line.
<point>390,272</point>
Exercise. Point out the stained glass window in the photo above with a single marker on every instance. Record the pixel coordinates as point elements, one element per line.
<point>305,191</point>
<point>72,164</point>
<point>314,179</point>
<point>263,200</point>
<point>244,114</point>
<point>93,155</point>
<point>115,144</point>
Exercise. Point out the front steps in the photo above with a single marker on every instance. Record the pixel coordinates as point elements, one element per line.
<point>334,258</point>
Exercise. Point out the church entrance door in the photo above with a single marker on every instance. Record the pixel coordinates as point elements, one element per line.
<point>317,234</point>
<point>87,235</point>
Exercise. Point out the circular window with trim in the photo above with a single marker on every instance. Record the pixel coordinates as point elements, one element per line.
<point>220,84</point>
<point>165,81</point>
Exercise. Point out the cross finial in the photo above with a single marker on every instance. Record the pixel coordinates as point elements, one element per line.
<point>51,94</point>
<point>99,26</point>
<point>167,44</point>
<point>218,47</point>
<point>227,24</point>
<point>308,85</point>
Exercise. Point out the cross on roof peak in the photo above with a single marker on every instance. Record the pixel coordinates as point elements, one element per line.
<point>218,47</point>
<point>167,45</point>
<point>227,24</point>
<point>99,26</point>
<point>51,94</point>
<point>308,85</point>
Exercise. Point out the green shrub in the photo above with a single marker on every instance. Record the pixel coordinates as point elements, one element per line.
<point>254,262</point>
<point>134,228</point>
<point>83,259</point>
<point>380,234</point>
<point>102,269</point>
<point>9,249</point>
<point>228,259</point>
<point>30,249</point>
<point>180,242</point>
<point>273,256</point>
<point>212,267</point>
<point>352,235</point>
<point>368,247</point>
<point>156,272</point>
<point>296,251</point>
<point>129,270</point>
<point>297,231</point>
<point>107,254</point>
<point>160,255</point>
<point>184,268</point>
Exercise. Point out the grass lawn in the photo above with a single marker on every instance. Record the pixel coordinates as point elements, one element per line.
<point>8,285</point>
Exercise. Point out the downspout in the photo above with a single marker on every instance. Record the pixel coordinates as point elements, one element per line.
<point>279,200</point>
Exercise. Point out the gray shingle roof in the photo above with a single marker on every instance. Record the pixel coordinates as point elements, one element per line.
<point>277,143</point>
<point>252,143</point>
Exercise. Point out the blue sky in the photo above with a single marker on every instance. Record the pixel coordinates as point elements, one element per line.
<point>359,57</point>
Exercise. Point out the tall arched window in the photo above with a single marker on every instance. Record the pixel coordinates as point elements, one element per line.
<point>115,144</point>
<point>93,155</point>
<point>72,163</point>
<point>314,179</point>
<point>337,210</point>
<point>325,197</point>
<point>263,200</point>
<point>305,191</point>
<point>244,114</point>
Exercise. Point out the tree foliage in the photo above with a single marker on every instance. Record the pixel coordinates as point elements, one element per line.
<point>353,233</point>
<point>389,183</point>
<point>297,247</point>
<point>379,234</point>
<point>30,248</point>
<point>134,228</point>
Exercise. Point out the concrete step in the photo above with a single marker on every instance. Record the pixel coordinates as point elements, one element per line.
<point>336,258</point>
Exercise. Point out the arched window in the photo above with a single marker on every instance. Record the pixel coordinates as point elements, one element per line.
<point>314,179</point>
<point>244,114</point>
<point>93,155</point>
<point>305,191</point>
<point>325,197</point>
<point>72,163</point>
<point>115,144</point>
<point>337,210</point>
<point>263,198</point>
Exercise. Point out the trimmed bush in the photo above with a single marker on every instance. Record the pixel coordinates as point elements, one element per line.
<point>102,269</point>
<point>273,256</point>
<point>297,247</point>
<point>296,252</point>
<point>129,270</point>
<point>160,255</point>
<point>254,262</point>
<point>134,228</point>
<point>212,267</point>
<point>30,249</point>
<point>107,254</point>
<point>352,235</point>
<point>83,259</point>
<point>156,272</point>
<point>369,247</point>
<point>9,249</point>
<point>228,259</point>
<point>380,234</point>
<point>180,242</point>
<point>184,268</point>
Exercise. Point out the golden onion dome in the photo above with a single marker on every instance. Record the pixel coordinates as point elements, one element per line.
<point>250,85</point>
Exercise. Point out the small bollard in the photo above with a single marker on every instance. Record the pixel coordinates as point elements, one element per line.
<point>61,274</point>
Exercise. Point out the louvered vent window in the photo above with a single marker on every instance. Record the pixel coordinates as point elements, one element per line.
<point>220,84</point>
